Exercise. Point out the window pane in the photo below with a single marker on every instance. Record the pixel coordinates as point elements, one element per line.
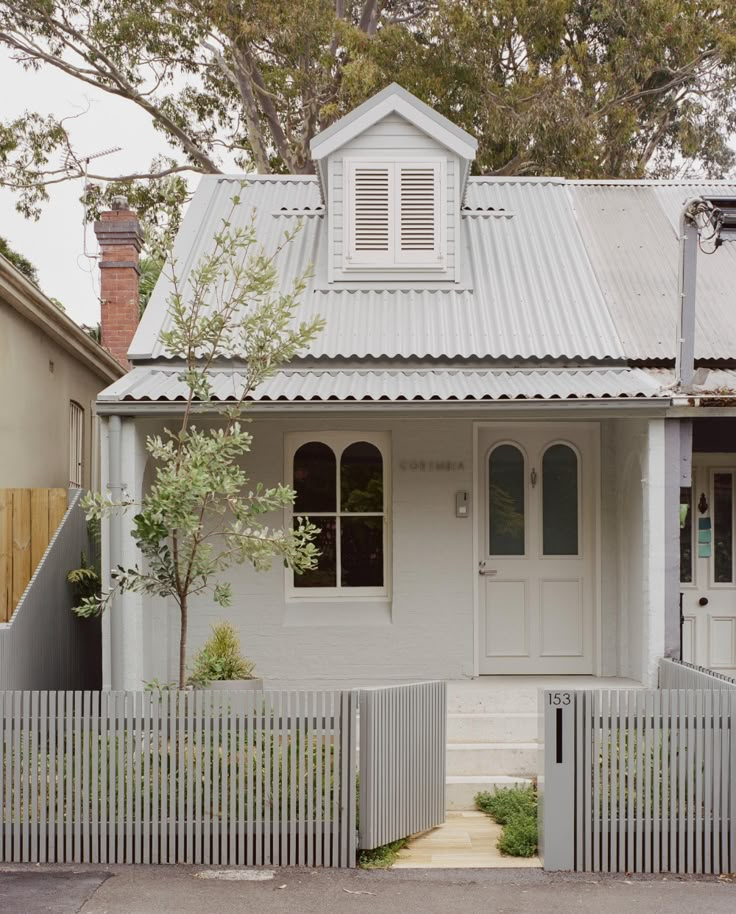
<point>686,535</point>
<point>325,575</point>
<point>560,501</point>
<point>361,478</point>
<point>506,501</point>
<point>361,545</point>
<point>723,528</point>
<point>314,478</point>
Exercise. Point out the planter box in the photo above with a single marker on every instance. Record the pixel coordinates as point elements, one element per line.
<point>235,685</point>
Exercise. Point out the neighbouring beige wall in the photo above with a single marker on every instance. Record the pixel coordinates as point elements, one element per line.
<point>38,379</point>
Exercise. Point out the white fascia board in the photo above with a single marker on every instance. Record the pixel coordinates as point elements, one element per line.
<point>463,145</point>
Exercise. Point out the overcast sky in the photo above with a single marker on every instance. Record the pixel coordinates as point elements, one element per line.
<point>55,244</point>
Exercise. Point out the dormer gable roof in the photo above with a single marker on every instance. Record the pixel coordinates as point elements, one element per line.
<point>394,99</point>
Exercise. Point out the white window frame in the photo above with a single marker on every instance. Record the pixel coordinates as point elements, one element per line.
<point>76,444</point>
<point>338,442</point>
<point>395,259</point>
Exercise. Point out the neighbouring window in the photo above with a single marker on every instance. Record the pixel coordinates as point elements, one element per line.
<point>76,442</point>
<point>560,501</point>
<point>686,535</point>
<point>394,214</point>
<point>723,528</point>
<point>340,487</point>
<point>506,488</point>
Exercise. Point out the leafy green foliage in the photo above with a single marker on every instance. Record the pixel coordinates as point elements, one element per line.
<point>516,809</point>
<point>19,261</point>
<point>570,87</point>
<point>220,658</point>
<point>150,268</point>
<point>519,837</point>
<point>202,513</point>
<point>86,581</point>
<point>381,857</point>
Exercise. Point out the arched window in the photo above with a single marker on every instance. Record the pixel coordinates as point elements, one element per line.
<point>76,443</point>
<point>339,485</point>
<point>560,501</point>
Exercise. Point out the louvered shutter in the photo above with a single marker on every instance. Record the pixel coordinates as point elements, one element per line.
<point>418,235</point>
<point>394,214</point>
<point>371,213</point>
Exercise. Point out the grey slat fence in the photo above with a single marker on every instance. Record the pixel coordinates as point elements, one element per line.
<point>639,781</point>
<point>45,646</point>
<point>181,777</point>
<point>403,736</point>
<point>205,777</point>
<point>676,674</point>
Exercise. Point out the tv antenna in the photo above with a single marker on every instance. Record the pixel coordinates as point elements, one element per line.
<point>80,163</point>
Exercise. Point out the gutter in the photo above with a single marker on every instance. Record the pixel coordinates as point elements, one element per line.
<point>416,407</point>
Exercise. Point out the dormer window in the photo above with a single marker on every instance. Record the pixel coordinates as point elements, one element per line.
<point>395,215</point>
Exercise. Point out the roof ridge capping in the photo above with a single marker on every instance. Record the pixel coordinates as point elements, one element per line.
<point>393,99</point>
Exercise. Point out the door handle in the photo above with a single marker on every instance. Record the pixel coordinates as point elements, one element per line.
<point>488,572</point>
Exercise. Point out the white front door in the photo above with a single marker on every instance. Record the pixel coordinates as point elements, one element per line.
<point>708,563</point>
<point>537,547</point>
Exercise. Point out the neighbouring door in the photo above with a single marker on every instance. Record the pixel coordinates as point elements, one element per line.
<point>708,563</point>
<point>538,548</point>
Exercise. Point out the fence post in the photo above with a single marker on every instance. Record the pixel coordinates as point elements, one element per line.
<point>557,791</point>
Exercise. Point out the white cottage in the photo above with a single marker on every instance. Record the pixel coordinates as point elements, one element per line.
<point>487,431</point>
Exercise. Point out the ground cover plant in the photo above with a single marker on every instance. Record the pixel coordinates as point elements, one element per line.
<point>514,808</point>
<point>381,858</point>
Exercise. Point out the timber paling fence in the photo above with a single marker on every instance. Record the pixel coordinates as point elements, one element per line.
<point>644,780</point>
<point>205,777</point>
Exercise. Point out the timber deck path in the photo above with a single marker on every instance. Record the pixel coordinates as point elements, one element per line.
<point>467,839</point>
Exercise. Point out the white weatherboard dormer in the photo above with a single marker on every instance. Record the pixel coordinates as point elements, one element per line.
<point>393,175</point>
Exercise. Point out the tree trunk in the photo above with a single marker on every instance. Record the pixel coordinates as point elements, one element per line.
<point>183,643</point>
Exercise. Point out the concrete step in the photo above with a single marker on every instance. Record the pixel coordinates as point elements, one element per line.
<point>478,698</point>
<point>461,789</point>
<point>513,759</point>
<point>497,727</point>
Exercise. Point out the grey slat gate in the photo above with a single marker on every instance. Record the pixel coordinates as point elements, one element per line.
<point>402,761</point>
<point>640,781</point>
<point>179,777</point>
<point>676,674</point>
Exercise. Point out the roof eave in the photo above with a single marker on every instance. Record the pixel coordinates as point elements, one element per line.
<point>27,299</point>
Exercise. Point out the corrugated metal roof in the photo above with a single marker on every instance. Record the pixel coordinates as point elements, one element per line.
<point>555,270</point>
<point>533,293</point>
<point>159,383</point>
<point>630,231</point>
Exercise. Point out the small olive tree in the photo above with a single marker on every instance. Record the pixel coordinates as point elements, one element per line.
<point>202,514</point>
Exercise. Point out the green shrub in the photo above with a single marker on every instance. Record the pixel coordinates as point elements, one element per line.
<point>515,808</point>
<point>519,836</point>
<point>507,803</point>
<point>220,658</point>
<point>381,857</point>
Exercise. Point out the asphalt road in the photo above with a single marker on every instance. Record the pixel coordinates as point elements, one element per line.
<point>177,890</point>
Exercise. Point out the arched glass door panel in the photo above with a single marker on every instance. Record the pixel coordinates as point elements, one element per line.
<point>506,501</point>
<point>560,509</point>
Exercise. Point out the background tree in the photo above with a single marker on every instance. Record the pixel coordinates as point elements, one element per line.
<point>584,88</point>
<point>19,261</point>
<point>203,514</point>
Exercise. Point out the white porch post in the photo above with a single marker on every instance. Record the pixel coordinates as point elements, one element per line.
<point>105,551</point>
<point>656,559</point>
<point>123,643</point>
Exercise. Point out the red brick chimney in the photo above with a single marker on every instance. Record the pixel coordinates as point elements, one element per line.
<point>119,235</point>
